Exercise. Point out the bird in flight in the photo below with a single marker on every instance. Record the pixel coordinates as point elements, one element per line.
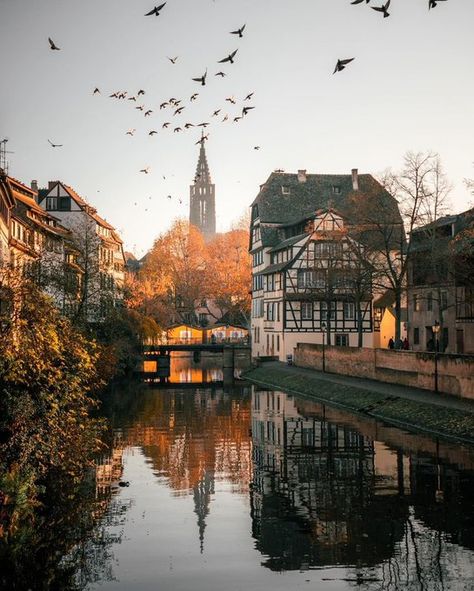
<point>433,3</point>
<point>238,32</point>
<point>113,95</point>
<point>130,132</point>
<point>152,132</point>
<point>216,113</point>
<point>256,147</point>
<point>203,139</point>
<point>173,59</point>
<point>383,9</point>
<point>178,111</point>
<point>245,110</point>
<point>132,98</point>
<point>55,145</point>
<point>156,10</point>
<point>139,107</point>
<point>341,64</point>
<point>201,79</point>
<point>230,99</point>
<point>148,113</point>
<point>163,105</point>
<point>359,1</point>
<point>194,96</point>
<point>177,130</point>
<point>205,124</point>
<point>229,58</point>
<point>165,125</point>
<point>52,45</point>
<point>96,91</point>
<point>140,92</point>
<point>226,117</point>
<point>221,74</point>
<point>145,170</point>
<point>237,119</point>
<point>249,96</point>
<point>188,125</point>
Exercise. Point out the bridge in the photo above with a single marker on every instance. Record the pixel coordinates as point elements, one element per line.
<point>156,357</point>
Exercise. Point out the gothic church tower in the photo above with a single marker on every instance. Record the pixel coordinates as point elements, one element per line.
<point>202,203</point>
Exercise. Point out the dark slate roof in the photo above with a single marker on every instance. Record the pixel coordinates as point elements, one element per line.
<point>317,193</point>
<point>288,242</point>
<point>273,268</point>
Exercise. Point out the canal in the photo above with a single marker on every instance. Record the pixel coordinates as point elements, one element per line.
<point>233,488</point>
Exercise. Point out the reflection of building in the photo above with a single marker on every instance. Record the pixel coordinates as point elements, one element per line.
<point>318,495</point>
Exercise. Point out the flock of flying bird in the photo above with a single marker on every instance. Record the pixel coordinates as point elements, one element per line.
<point>177,106</point>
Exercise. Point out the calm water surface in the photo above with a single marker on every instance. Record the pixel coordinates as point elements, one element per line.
<point>242,488</point>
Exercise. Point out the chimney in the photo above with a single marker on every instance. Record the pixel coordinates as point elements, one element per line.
<point>34,185</point>
<point>355,179</point>
<point>51,184</point>
<point>301,176</point>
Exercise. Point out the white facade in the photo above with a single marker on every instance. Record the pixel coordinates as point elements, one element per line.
<point>98,247</point>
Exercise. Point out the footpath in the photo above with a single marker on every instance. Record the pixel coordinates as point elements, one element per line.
<point>440,415</point>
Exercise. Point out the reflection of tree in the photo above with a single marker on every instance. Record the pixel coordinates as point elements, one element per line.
<point>192,439</point>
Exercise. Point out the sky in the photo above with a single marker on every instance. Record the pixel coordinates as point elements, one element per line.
<point>410,87</point>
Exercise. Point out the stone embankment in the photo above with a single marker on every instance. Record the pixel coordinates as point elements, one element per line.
<point>408,408</point>
<point>454,374</point>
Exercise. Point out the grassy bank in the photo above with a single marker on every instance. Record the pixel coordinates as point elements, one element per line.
<point>405,413</point>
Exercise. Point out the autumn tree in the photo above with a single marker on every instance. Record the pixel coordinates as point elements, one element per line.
<point>414,196</point>
<point>174,274</point>
<point>229,275</point>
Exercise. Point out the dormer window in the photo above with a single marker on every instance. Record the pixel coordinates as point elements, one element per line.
<point>285,190</point>
<point>336,189</point>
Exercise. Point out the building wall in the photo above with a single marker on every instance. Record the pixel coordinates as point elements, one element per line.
<point>455,372</point>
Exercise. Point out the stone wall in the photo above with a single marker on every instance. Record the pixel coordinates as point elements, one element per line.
<point>455,372</point>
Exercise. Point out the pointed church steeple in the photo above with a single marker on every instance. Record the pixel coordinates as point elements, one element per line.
<point>202,203</point>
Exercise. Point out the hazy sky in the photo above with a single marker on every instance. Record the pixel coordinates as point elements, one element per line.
<point>411,86</point>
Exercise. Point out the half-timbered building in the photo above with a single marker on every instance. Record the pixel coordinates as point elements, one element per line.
<point>98,247</point>
<point>311,280</point>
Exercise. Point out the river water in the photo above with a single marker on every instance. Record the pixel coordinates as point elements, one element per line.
<point>235,487</point>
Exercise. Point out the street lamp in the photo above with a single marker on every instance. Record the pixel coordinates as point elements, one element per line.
<point>436,328</point>
<point>323,327</point>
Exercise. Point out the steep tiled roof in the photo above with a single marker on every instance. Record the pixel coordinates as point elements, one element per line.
<point>90,210</point>
<point>284,200</point>
<point>304,198</point>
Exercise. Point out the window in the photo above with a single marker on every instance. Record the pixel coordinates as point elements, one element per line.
<point>328,249</point>
<point>285,190</point>
<point>429,302</point>
<point>257,258</point>
<point>270,282</point>
<point>64,204</point>
<point>278,348</point>
<point>349,311</point>
<point>306,310</point>
<point>257,308</point>
<point>416,302</point>
<point>342,340</point>
<point>444,300</point>
<point>255,234</point>
<point>416,336</point>
<point>257,282</point>
<point>336,190</point>
<point>271,311</point>
<point>324,311</point>
<point>311,278</point>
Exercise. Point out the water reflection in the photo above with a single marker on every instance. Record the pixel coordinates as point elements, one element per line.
<point>228,487</point>
<point>325,494</point>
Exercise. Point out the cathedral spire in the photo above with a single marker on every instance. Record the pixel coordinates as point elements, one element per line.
<point>202,203</point>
